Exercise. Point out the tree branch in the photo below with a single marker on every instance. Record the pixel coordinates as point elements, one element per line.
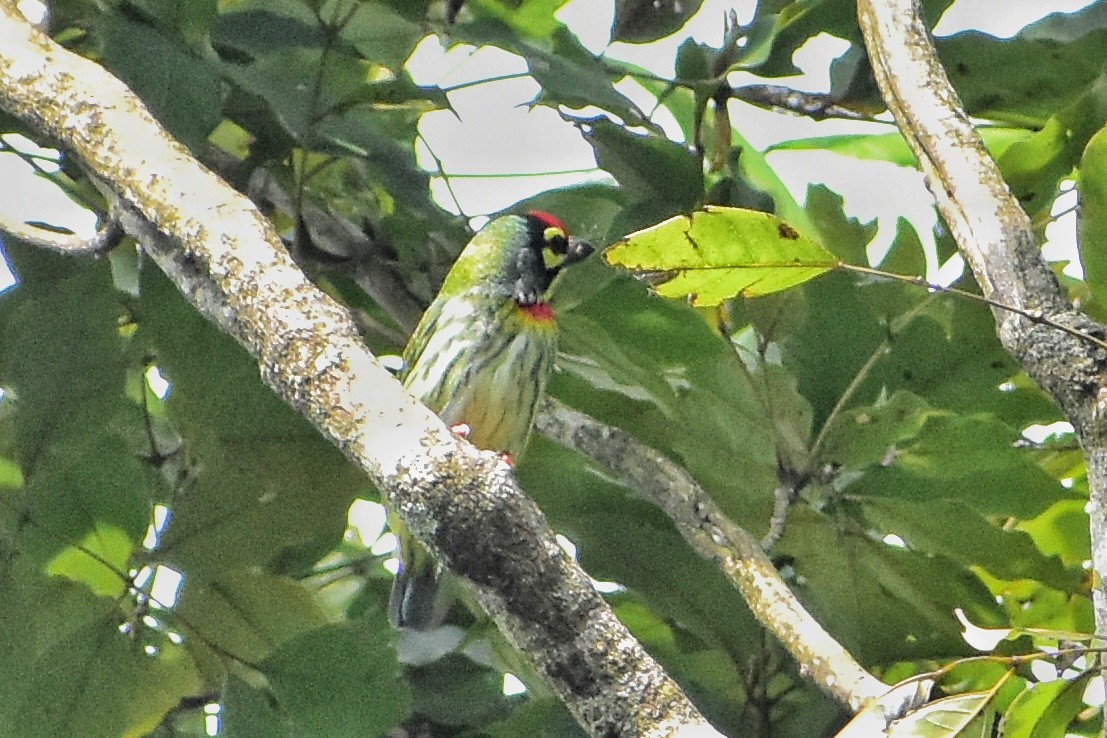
<point>996,238</point>
<point>716,538</point>
<point>228,261</point>
<point>814,105</point>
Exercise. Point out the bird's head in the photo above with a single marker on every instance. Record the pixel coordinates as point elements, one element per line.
<point>517,256</point>
<point>549,238</point>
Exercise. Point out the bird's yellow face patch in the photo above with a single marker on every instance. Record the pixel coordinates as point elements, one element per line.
<point>555,246</point>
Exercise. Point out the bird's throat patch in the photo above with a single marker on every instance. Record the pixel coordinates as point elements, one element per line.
<point>539,311</point>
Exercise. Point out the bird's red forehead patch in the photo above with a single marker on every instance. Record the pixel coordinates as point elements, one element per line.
<point>540,311</point>
<point>548,220</point>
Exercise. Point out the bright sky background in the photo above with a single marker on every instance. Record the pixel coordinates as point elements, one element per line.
<point>496,133</point>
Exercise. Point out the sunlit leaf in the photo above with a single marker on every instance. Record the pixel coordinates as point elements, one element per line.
<point>1092,184</point>
<point>1046,709</point>
<point>719,253</point>
<point>892,147</point>
<point>98,561</point>
<point>959,716</point>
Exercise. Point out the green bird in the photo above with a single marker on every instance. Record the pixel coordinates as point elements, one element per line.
<point>480,358</point>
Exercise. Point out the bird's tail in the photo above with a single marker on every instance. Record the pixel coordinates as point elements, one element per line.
<point>418,600</point>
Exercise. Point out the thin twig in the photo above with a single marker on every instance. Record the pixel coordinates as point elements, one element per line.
<point>64,241</point>
<point>1033,316</point>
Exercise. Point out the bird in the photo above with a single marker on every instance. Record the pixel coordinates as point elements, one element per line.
<point>480,358</point>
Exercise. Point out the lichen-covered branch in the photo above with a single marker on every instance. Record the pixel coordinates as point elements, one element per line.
<point>718,539</point>
<point>995,236</point>
<point>228,261</point>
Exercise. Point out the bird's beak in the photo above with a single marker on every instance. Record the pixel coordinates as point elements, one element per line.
<point>578,250</point>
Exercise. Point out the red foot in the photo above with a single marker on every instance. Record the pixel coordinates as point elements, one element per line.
<point>507,459</point>
<point>461,430</point>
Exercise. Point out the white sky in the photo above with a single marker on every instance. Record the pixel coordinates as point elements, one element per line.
<point>498,134</point>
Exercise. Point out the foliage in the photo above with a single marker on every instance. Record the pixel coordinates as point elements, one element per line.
<point>890,412</point>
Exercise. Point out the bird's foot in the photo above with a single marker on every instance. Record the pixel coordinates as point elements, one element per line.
<point>461,430</point>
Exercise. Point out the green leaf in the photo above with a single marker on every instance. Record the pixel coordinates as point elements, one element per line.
<point>847,237</point>
<point>968,458</point>
<point>881,602</point>
<point>1035,167</point>
<point>533,18</point>
<point>1047,709</point>
<point>960,716</point>
<point>68,424</point>
<point>380,34</point>
<point>951,528</point>
<point>98,561</point>
<point>540,717</point>
<point>457,691</point>
<point>891,147</point>
<point>265,484</point>
<point>1063,530</point>
<point>656,369</point>
<point>719,253</point>
<point>181,90</point>
<point>66,669</point>
<point>650,168</point>
<point>644,21</point>
<point>865,436</point>
<point>1092,185</point>
<point>629,541</point>
<point>340,680</point>
<point>568,73</point>
<point>261,27</point>
<point>994,81</point>
<point>245,614</point>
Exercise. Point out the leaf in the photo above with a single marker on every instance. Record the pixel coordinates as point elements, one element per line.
<point>651,168</point>
<point>994,81</point>
<point>883,603</point>
<point>960,716</point>
<point>1092,185</point>
<point>847,237</point>
<point>245,614</point>
<point>380,34</point>
<point>99,561</point>
<point>568,73</point>
<point>891,147</point>
<point>534,18</point>
<point>181,90</point>
<point>261,27</point>
<point>340,680</point>
<point>865,436</point>
<point>66,669</point>
<point>644,21</point>
<point>1047,709</point>
<point>457,691</point>
<point>953,529</point>
<point>719,253</point>
<point>968,458</point>
<point>70,428</point>
<point>265,485</point>
<point>1035,167</point>
<point>656,369</point>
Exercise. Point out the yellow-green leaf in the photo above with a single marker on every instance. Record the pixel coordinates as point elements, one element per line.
<point>98,561</point>
<point>718,253</point>
<point>1092,185</point>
